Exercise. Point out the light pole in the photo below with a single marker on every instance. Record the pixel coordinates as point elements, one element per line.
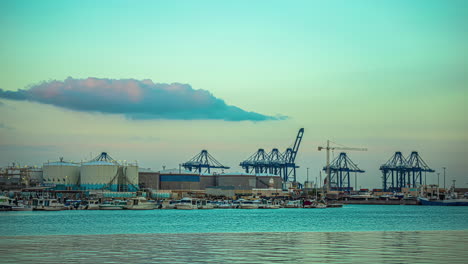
<point>307,175</point>
<point>444,176</point>
<point>438,174</point>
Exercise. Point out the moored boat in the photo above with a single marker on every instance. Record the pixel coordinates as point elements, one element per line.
<point>186,203</point>
<point>446,202</point>
<point>47,205</point>
<point>140,203</point>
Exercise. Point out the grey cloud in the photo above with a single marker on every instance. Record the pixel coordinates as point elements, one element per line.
<point>134,98</point>
<point>3,126</point>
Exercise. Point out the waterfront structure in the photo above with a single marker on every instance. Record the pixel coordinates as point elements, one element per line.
<point>203,163</point>
<point>63,173</point>
<point>400,172</point>
<point>339,170</point>
<point>275,162</point>
<point>103,172</point>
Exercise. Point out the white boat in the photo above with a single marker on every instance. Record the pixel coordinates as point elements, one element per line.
<point>187,203</point>
<point>268,205</point>
<point>293,204</point>
<point>91,205</point>
<point>22,208</point>
<point>47,205</point>
<point>247,204</point>
<point>112,205</point>
<point>204,204</point>
<point>5,203</point>
<point>140,203</point>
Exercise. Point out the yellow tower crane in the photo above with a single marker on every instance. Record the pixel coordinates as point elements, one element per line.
<point>328,148</point>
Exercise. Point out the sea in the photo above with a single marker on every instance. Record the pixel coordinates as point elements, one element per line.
<point>352,234</point>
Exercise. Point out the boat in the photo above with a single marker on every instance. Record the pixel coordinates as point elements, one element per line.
<point>445,202</point>
<point>293,204</point>
<point>314,204</point>
<point>40,204</point>
<point>204,204</point>
<point>187,203</point>
<point>22,207</point>
<point>268,205</point>
<point>334,205</point>
<point>91,205</point>
<point>140,203</point>
<point>450,199</point>
<point>5,203</point>
<point>247,204</point>
<point>112,205</point>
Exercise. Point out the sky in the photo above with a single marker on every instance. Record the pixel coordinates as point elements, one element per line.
<point>158,81</point>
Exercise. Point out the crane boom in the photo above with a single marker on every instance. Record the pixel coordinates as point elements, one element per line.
<point>328,148</point>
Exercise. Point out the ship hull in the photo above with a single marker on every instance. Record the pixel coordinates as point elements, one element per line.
<point>454,202</point>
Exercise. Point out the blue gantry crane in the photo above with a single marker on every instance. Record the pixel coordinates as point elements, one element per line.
<point>203,163</point>
<point>400,172</point>
<point>275,162</point>
<point>339,170</point>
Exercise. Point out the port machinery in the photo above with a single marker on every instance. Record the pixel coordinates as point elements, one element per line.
<point>203,162</point>
<point>275,162</point>
<point>339,170</point>
<point>400,172</point>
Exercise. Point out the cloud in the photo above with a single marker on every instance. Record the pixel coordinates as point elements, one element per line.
<point>134,98</point>
<point>7,127</point>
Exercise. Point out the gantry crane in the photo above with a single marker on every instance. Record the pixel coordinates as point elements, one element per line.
<point>328,148</point>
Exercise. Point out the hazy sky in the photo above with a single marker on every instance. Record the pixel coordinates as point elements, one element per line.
<point>386,75</point>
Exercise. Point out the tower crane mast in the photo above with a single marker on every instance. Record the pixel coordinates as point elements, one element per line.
<point>328,148</point>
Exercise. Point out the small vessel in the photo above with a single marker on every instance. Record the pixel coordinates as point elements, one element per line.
<point>334,205</point>
<point>91,205</point>
<point>268,205</point>
<point>47,205</point>
<point>204,204</point>
<point>445,202</point>
<point>187,203</point>
<point>293,204</point>
<point>5,203</point>
<point>248,204</point>
<point>140,203</point>
<point>21,206</point>
<point>112,205</point>
<point>450,199</point>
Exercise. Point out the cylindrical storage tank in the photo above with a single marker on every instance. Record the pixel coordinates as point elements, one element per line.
<point>240,181</point>
<point>131,173</point>
<point>98,174</point>
<point>61,173</point>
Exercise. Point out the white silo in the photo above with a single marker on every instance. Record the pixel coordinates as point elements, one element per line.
<point>131,175</point>
<point>99,173</point>
<point>61,172</point>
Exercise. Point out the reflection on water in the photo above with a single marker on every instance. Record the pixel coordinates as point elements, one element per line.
<point>289,247</point>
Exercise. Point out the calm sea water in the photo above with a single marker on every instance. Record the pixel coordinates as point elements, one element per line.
<point>353,234</point>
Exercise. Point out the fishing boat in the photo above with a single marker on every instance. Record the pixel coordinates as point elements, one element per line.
<point>204,204</point>
<point>445,202</point>
<point>5,203</point>
<point>450,199</point>
<point>112,205</point>
<point>140,203</point>
<point>40,204</point>
<point>187,203</point>
<point>247,204</point>
<point>293,204</point>
<point>22,207</point>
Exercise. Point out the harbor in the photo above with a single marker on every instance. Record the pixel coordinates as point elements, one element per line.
<point>269,180</point>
